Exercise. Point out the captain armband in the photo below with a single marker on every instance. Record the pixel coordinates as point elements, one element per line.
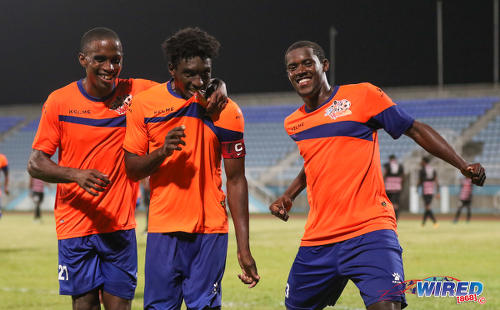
<point>233,149</point>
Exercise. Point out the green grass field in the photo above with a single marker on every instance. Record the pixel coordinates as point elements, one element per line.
<point>469,252</point>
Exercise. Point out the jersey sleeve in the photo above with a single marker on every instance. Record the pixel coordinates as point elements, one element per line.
<point>142,84</point>
<point>384,113</point>
<point>48,135</point>
<point>136,136</point>
<point>230,128</point>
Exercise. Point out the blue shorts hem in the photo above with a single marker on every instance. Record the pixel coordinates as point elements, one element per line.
<point>79,292</point>
<point>121,294</point>
<point>288,307</point>
<point>399,299</point>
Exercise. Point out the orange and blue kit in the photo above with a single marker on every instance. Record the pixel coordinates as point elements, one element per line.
<point>186,190</point>
<point>339,144</point>
<point>89,134</point>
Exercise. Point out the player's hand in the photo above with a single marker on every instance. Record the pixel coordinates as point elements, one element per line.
<point>476,173</point>
<point>216,95</point>
<point>173,140</point>
<point>91,180</point>
<point>281,207</point>
<point>249,273</point>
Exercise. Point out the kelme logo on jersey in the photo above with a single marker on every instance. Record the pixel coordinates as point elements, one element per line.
<point>338,108</point>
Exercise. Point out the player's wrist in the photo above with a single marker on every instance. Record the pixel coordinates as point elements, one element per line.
<point>288,197</point>
<point>162,153</point>
<point>244,251</point>
<point>73,174</point>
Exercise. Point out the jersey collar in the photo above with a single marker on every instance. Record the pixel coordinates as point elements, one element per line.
<point>335,89</point>
<point>92,98</point>
<point>171,90</point>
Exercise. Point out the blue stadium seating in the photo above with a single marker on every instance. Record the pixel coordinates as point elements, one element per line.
<point>490,156</point>
<point>267,142</point>
<point>17,147</point>
<point>31,126</point>
<point>7,122</point>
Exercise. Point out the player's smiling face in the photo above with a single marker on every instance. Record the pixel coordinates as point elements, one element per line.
<point>191,75</point>
<point>305,71</point>
<point>102,60</point>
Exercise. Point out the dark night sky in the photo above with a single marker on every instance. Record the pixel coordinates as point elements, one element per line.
<point>387,42</point>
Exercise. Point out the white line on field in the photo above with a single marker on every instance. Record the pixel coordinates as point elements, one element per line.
<point>28,290</point>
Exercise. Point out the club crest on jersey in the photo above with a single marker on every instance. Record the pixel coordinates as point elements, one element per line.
<point>121,104</point>
<point>339,108</point>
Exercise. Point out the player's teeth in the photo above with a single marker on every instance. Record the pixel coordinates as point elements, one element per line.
<point>303,81</point>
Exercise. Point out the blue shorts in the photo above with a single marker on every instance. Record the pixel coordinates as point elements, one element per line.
<point>184,266</point>
<point>101,260</point>
<point>372,261</point>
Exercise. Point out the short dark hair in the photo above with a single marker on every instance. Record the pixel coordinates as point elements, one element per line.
<point>188,43</point>
<point>426,159</point>
<point>317,49</point>
<point>97,33</point>
<point>392,156</point>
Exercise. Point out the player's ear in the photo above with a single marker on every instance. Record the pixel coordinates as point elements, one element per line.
<point>82,59</point>
<point>171,69</point>
<point>326,65</point>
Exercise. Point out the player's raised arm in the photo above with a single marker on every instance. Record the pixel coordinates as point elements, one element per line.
<point>40,166</point>
<point>281,206</point>
<point>237,198</point>
<point>425,136</point>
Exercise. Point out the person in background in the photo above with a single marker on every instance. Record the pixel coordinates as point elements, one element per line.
<point>4,166</point>
<point>428,181</point>
<point>393,179</point>
<point>465,199</point>
<point>37,194</point>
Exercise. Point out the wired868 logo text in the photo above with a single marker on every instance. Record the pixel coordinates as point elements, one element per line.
<point>462,291</point>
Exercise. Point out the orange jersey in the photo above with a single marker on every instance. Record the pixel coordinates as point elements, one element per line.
<point>89,133</point>
<point>186,192</point>
<point>339,144</point>
<point>4,164</point>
